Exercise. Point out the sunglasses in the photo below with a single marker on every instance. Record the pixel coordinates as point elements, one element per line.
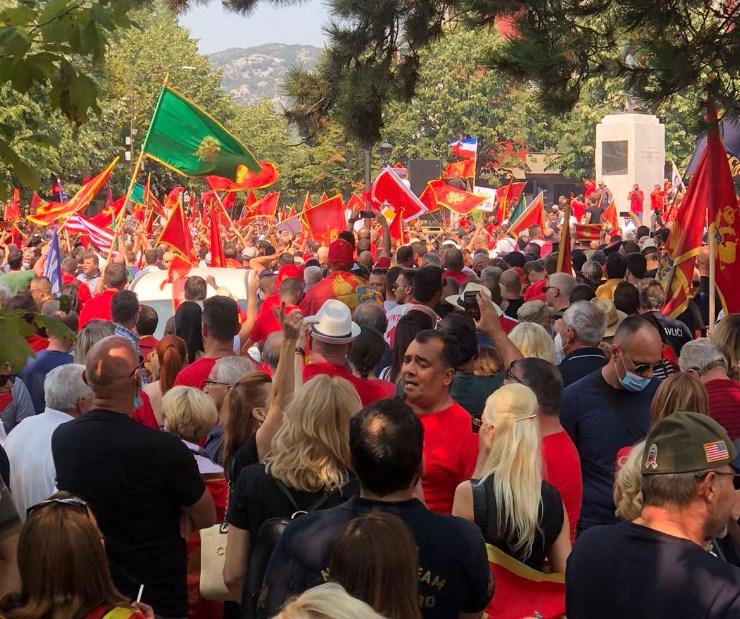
<point>510,375</point>
<point>138,367</point>
<point>72,501</point>
<point>208,383</point>
<point>7,378</point>
<point>641,368</point>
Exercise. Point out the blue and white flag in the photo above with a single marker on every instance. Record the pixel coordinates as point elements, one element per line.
<point>53,267</point>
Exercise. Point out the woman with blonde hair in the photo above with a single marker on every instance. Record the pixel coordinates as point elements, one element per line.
<point>328,601</point>
<point>308,468</point>
<point>517,511</point>
<point>94,331</point>
<point>63,567</point>
<point>679,392</point>
<point>628,484</point>
<point>374,559</point>
<point>726,336</point>
<point>171,355</point>
<point>533,340</point>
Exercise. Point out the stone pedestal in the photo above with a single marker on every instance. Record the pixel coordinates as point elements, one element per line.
<point>630,148</point>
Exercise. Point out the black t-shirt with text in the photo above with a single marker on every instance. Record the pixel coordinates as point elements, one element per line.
<point>136,481</point>
<point>454,576</point>
<point>627,570</point>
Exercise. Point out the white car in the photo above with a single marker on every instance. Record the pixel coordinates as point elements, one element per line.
<point>151,291</point>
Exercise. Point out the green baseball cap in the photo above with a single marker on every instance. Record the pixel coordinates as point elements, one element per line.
<point>687,442</point>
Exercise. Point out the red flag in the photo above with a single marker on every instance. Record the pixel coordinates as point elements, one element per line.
<point>389,187</point>
<point>396,229</point>
<point>51,212</point>
<point>13,208</point>
<point>175,233</point>
<point>685,240</point>
<point>173,198</point>
<point>217,250</point>
<point>106,217</point>
<point>323,197</point>
<point>250,199</point>
<point>428,199</point>
<point>457,200</point>
<point>460,169</point>
<point>507,195</point>
<point>533,215</point>
<point>587,232</point>
<point>306,202</point>
<point>355,203</point>
<point>565,262</point>
<point>37,202</point>
<point>246,179</point>
<point>325,220</point>
<point>266,207</point>
<point>611,217</point>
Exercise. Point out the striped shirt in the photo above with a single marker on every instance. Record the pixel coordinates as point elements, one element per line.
<point>724,404</point>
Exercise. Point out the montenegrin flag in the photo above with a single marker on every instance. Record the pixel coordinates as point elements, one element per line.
<point>245,179</point>
<point>187,139</point>
<point>457,200</point>
<point>52,211</point>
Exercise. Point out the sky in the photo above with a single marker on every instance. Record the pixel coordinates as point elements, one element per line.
<point>218,30</point>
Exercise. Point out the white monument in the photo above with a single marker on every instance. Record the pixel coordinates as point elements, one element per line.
<point>630,148</point>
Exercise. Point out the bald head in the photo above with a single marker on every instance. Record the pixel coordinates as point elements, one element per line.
<point>108,363</point>
<point>511,284</point>
<point>115,276</point>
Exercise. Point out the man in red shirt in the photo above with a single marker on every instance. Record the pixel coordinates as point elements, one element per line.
<point>656,199</point>
<point>454,264</point>
<point>637,199</point>
<point>99,306</point>
<point>290,293</point>
<point>69,276</point>
<point>450,447</point>
<point>220,325</point>
<point>537,278</point>
<point>560,459</point>
<point>703,359</point>
<point>332,335</point>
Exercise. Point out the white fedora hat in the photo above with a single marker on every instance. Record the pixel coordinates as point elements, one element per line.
<point>333,323</point>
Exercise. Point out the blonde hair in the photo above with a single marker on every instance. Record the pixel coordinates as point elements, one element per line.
<point>310,451</point>
<point>188,413</point>
<point>628,485</point>
<point>327,601</point>
<point>679,392</point>
<point>515,463</point>
<point>533,340</point>
<point>726,336</point>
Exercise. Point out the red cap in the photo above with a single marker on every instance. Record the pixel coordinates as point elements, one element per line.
<point>286,271</point>
<point>384,262</point>
<point>340,251</point>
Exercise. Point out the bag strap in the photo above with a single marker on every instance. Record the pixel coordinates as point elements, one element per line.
<point>286,493</point>
<point>480,504</point>
<point>313,507</point>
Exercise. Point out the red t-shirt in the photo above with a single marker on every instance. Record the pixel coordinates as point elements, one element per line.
<point>37,343</point>
<point>458,276</point>
<point>98,307</point>
<point>369,390</point>
<point>450,453</point>
<point>145,413</point>
<point>147,344</point>
<point>340,285</point>
<point>636,200</point>
<point>195,374</point>
<point>267,322</point>
<point>578,208</point>
<point>562,468</point>
<point>83,292</point>
<point>724,404</point>
<point>536,291</point>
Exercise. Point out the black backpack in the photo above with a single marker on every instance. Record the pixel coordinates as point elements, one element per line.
<point>267,538</point>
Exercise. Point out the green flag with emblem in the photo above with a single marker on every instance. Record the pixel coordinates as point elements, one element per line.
<point>187,139</point>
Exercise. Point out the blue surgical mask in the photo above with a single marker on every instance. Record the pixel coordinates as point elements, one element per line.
<point>631,381</point>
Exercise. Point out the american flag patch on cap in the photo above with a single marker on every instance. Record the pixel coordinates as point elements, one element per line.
<point>716,451</point>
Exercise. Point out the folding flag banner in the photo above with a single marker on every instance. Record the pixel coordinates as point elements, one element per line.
<point>50,212</point>
<point>266,207</point>
<point>533,215</point>
<point>466,148</point>
<point>460,169</point>
<point>185,138</point>
<point>102,238</point>
<point>389,187</point>
<point>587,232</point>
<point>175,233</point>
<point>325,220</point>
<point>457,200</point>
<point>565,248</point>
<point>522,591</point>
<point>685,240</point>
<point>217,250</point>
<point>13,208</point>
<point>53,266</point>
<point>245,179</point>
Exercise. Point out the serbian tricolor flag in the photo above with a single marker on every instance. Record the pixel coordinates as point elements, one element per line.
<point>325,220</point>
<point>706,189</point>
<point>389,187</point>
<point>565,261</point>
<point>460,169</point>
<point>457,200</point>
<point>522,591</point>
<point>51,212</point>
<point>176,235</point>
<point>533,215</point>
<point>467,148</point>
<point>508,195</point>
<point>246,179</point>
<point>13,208</point>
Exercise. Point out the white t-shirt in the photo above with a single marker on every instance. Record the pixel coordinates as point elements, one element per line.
<point>399,312</point>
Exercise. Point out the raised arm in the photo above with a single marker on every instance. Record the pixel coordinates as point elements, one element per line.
<point>490,324</point>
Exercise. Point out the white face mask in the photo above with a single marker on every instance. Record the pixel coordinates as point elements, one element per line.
<point>559,352</point>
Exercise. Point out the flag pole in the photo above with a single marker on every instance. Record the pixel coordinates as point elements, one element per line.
<point>563,237</point>
<point>231,223</point>
<point>711,231</point>
<point>122,212</point>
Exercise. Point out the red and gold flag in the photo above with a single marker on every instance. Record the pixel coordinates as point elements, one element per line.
<point>325,220</point>
<point>533,215</point>
<point>389,187</point>
<point>428,199</point>
<point>53,211</point>
<point>246,179</point>
<point>457,200</point>
<point>587,232</point>
<point>306,202</point>
<point>217,250</point>
<point>460,169</point>
<point>508,195</point>
<point>106,217</point>
<point>13,208</point>
<point>611,218</point>
<point>37,202</point>
<point>175,233</point>
<point>565,261</point>
<point>266,207</point>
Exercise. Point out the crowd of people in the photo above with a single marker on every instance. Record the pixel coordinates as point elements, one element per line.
<point>363,427</point>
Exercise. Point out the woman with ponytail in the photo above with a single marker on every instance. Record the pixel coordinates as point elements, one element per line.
<point>517,511</point>
<point>170,359</point>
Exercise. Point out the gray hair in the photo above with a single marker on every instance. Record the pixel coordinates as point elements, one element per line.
<point>312,275</point>
<point>670,489</point>
<point>592,270</point>
<point>431,259</point>
<point>370,315</point>
<point>652,295</point>
<point>91,334</point>
<point>587,321</point>
<point>63,387</point>
<point>701,355</point>
<point>271,349</point>
<point>230,369</point>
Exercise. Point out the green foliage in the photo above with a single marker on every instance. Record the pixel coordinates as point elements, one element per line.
<point>13,325</point>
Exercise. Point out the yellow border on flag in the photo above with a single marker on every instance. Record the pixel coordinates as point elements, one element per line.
<point>509,563</point>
